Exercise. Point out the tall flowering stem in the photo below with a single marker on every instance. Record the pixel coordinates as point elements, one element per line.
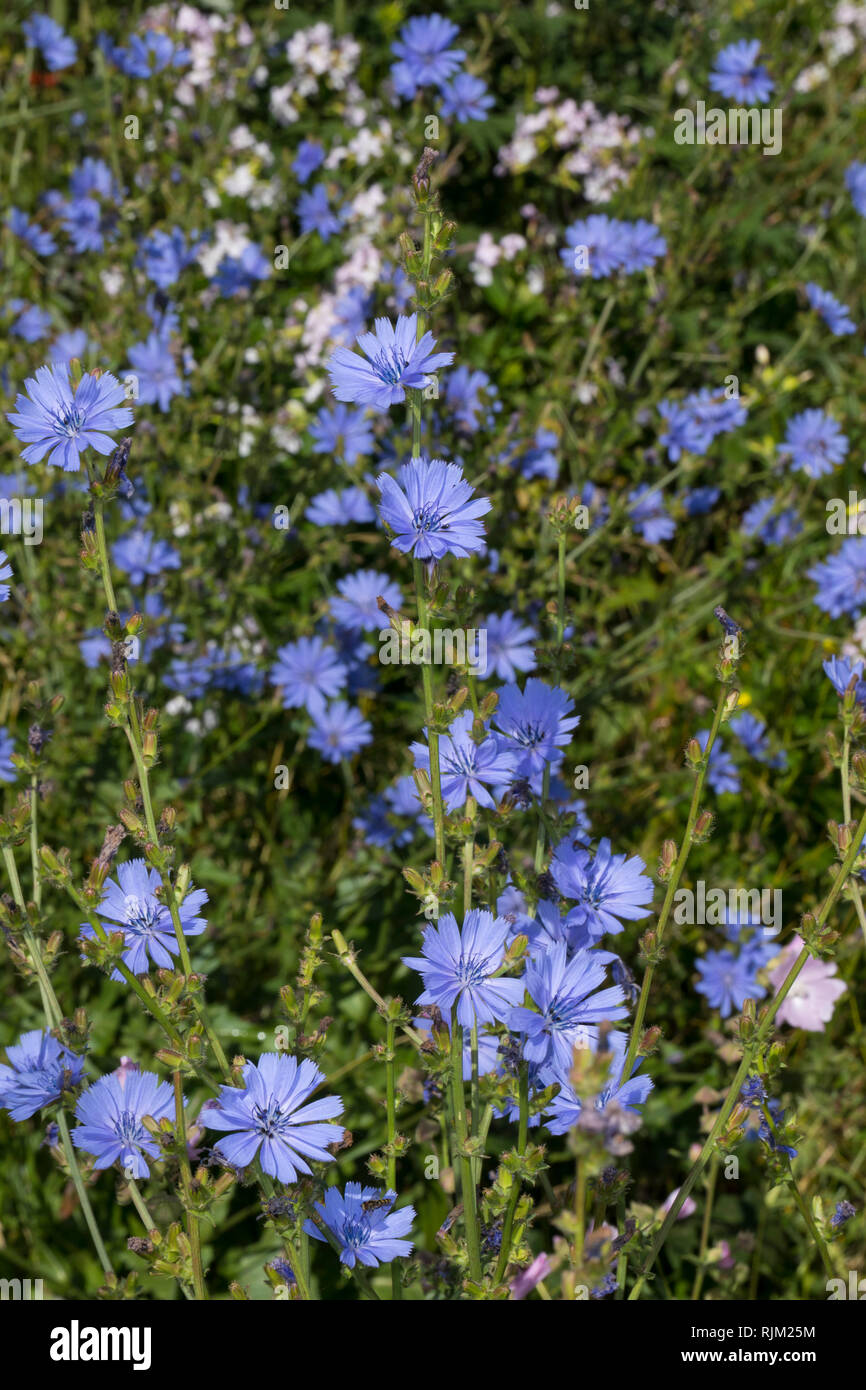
<point>54,1020</point>
<point>705,1228</point>
<point>514,1195</point>
<point>192,1220</point>
<point>726,702</point>
<point>419,266</point>
<point>142,739</point>
<point>467,1182</point>
<point>432,735</point>
<point>848,718</point>
<point>391,1112</point>
<point>751,1051</point>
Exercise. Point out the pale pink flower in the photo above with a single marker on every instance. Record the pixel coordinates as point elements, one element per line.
<point>688,1206</point>
<point>812,998</point>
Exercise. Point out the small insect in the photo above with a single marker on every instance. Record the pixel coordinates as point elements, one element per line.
<point>375,1204</point>
<point>727,622</point>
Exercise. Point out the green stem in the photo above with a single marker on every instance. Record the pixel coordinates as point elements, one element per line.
<point>468,855</point>
<point>54,1019</point>
<point>467,1184</point>
<point>432,737</point>
<point>192,1219</point>
<point>579,1209</point>
<point>846,811</point>
<point>799,1198</point>
<point>132,729</point>
<point>673,884</point>
<point>391,1110</point>
<point>560,588</point>
<point>595,338</point>
<point>347,959</point>
<point>35,865</point>
<point>705,1228</point>
<point>141,1206</point>
<point>51,1007</point>
<point>622,1261</point>
<point>539,837</point>
<point>514,1195</point>
<point>81,1191</point>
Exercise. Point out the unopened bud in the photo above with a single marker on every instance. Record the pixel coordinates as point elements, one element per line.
<point>694,752</point>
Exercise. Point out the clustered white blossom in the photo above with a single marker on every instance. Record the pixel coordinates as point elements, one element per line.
<point>317,57</point>
<point>586,136</point>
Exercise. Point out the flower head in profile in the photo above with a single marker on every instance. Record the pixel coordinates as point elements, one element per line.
<point>844,1211</point>
<point>769,523</point>
<point>840,672</point>
<point>836,315</point>
<point>812,997</point>
<point>271,1115</point>
<point>855,182</point>
<point>432,510</point>
<point>841,579</point>
<point>36,237</point>
<point>394,360</point>
<point>8,771</point>
<point>57,48</point>
<point>607,888</point>
<point>539,721</point>
<point>310,155</point>
<point>39,1069</point>
<point>236,274</point>
<point>367,1230</point>
<point>647,511</point>
<point>481,770</point>
<point>61,422</point>
<point>131,905</point>
<point>315,213</point>
<point>459,965</point>
<point>569,1005</point>
<point>5,573</point>
<point>111,1114</point>
<point>147,54</point>
<point>752,733</point>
